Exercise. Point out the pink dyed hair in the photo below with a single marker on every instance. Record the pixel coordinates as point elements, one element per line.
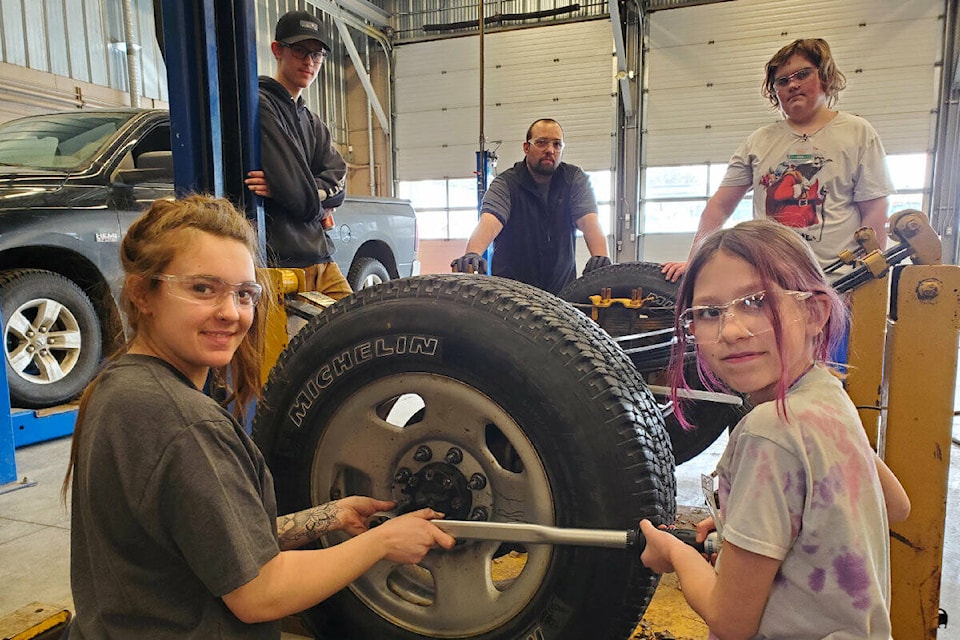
<point>782,259</point>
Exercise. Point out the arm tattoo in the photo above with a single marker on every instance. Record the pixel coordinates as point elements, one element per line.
<point>297,529</point>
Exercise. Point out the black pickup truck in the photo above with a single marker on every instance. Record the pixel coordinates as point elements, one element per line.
<point>70,185</point>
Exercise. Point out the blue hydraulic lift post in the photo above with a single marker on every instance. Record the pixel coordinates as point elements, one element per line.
<point>189,35</point>
<point>485,161</point>
<point>8,462</point>
<point>211,57</point>
<point>239,104</point>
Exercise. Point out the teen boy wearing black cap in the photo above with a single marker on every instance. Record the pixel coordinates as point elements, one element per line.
<point>303,174</point>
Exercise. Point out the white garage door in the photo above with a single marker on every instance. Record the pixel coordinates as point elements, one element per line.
<point>563,72</point>
<point>706,65</point>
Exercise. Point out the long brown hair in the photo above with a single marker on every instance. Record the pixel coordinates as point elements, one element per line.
<point>149,245</point>
<point>817,51</point>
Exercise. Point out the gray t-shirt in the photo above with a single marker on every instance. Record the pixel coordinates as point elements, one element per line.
<point>173,507</point>
<point>805,491</point>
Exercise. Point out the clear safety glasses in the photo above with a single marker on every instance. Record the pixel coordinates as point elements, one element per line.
<point>211,291</point>
<point>704,323</point>
<point>800,75</point>
<point>543,143</point>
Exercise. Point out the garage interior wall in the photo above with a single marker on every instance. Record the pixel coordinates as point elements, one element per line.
<point>65,54</point>
<point>705,65</point>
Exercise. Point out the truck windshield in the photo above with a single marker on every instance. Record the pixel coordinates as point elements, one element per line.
<point>58,141</point>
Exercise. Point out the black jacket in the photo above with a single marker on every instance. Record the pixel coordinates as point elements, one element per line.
<point>298,158</point>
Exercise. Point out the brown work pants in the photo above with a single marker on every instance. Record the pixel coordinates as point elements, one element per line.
<point>327,278</point>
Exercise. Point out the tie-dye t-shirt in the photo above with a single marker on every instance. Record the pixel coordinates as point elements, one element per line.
<point>806,491</point>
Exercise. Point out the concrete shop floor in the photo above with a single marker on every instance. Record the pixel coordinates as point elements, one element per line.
<point>35,540</point>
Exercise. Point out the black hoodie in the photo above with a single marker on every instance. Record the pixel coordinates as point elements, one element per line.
<point>298,158</point>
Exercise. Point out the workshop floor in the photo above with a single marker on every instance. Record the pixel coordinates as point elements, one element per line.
<point>35,540</point>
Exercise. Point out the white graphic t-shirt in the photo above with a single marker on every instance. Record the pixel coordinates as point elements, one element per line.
<point>813,182</point>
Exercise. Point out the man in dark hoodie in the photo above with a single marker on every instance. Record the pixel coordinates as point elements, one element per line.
<point>303,174</point>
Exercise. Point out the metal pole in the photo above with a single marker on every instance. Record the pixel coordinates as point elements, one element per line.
<point>133,67</point>
<point>482,141</point>
<point>536,533</point>
<point>373,177</point>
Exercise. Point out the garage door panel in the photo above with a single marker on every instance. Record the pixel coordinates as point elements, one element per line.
<point>429,130</point>
<point>766,20</point>
<point>561,71</point>
<point>694,146</point>
<point>429,58</point>
<point>455,161</point>
<point>706,66</point>
<point>438,91</point>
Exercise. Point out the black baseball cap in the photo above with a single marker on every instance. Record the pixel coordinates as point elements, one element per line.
<point>297,26</point>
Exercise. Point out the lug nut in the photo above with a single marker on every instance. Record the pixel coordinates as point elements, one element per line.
<point>477,482</point>
<point>423,453</point>
<point>446,483</point>
<point>480,513</point>
<point>428,475</point>
<point>454,456</point>
<point>403,476</point>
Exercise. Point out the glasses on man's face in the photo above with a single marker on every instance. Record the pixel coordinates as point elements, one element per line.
<point>210,290</point>
<point>800,75</point>
<point>543,143</point>
<point>300,52</point>
<point>704,323</point>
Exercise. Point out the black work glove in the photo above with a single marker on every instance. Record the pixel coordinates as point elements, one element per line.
<point>596,262</point>
<point>470,263</point>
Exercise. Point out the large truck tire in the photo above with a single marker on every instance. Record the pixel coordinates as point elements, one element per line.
<point>710,419</point>
<point>486,399</point>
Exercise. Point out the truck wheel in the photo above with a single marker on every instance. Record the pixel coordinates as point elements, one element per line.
<point>367,272</point>
<point>485,399</point>
<point>51,337</point>
<point>711,419</point>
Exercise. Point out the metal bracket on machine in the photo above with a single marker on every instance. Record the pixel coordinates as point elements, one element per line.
<point>915,238</point>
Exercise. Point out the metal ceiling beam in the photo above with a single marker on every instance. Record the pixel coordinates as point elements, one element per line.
<point>367,10</point>
<point>622,74</point>
<point>659,5</point>
<point>362,74</point>
<point>354,12</point>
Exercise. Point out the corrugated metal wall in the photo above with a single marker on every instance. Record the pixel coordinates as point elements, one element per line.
<point>327,97</point>
<point>84,40</point>
<point>81,39</point>
<point>563,72</point>
<point>706,66</point>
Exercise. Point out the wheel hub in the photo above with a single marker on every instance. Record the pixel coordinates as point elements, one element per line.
<point>42,341</point>
<point>455,486</point>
